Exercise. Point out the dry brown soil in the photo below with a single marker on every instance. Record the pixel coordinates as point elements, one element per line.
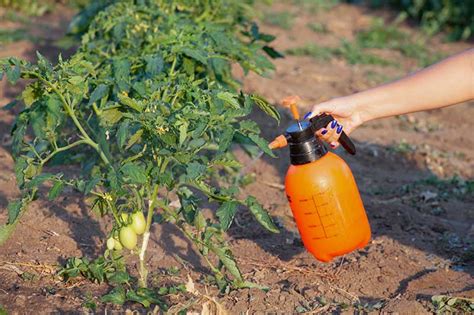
<point>421,231</point>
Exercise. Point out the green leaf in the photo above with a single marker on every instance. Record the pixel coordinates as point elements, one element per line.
<point>114,179</point>
<point>91,184</point>
<point>38,180</point>
<point>183,132</point>
<point>134,139</point>
<point>119,277</point>
<point>141,89</point>
<point>452,301</point>
<point>13,73</point>
<point>266,37</point>
<point>43,63</point>
<point>249,126</point>
<point>38,121</point>
<point>154,65</point>
<point>264,105</point>
<point>54,114</point>
<point>196,54</point>
<point>122,134</point>
<point>99,92</point>
<point>224,161</point>
<point>21,164</point>
<point>226,213</point>
<point>30,171</point>
<point>122,73</point>
<point>6,230</point>
<point>262,144</point>
<point>226,139</point>
<point>56,190</point>
<point>200,221</point>
<point>261,214</point>
<point>247,144</point>
<point>74,80</point>
<point>14,209</point>
<point>272,53</point>
<point>254,31</point>
<point>18,132</point>
<point>196,143</point>
<point>135,172</point>
<point>152,297</point>
<point>97,271</point>
<point>10,105</point>
<point>225,256</point>
<point>111,116</point>
<point>134,297</point>
<point>195,170</point>
<point>130,102</point>
<point>115,296</point>
<point>229,98</point>
<point>29,95</point>
<point>189,66</point>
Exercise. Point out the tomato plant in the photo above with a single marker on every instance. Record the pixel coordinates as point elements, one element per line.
<point>147,109</point>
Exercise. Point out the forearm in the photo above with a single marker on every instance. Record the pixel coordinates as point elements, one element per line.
<point>448,82</point>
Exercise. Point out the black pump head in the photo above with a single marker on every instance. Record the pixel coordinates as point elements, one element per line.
<point>304,146</point>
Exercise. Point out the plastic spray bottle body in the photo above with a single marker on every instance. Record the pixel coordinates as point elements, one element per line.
<point>322,193</point>
<point>327,207</point>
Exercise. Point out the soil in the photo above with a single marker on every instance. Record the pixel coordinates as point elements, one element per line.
<point>422,225</point>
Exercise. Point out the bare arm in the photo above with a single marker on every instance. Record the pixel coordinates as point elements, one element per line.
<point>448,82</point>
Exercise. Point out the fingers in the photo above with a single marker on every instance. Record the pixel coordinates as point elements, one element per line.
<point>331,133</point>
<point>325,107</point>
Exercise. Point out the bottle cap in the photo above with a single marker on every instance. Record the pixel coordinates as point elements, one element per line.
<point>304,146</point>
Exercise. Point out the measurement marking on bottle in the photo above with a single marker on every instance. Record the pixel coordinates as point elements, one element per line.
<point>320,215</point>
<point>322,225</point>
<point>325,207</point>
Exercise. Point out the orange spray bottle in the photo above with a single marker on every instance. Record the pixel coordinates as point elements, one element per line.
<point>322,191</point>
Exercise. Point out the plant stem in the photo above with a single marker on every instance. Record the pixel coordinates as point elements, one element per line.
<point>146,236</point>
<point>143,271</point>
<point>114,210</point>
<point>69,110</point>
<point>67,147</point>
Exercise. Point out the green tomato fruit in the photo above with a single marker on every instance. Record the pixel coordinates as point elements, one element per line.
<point>138,222</point>
<point>110,243</point>
<point>128,237</point>
<point>124,216</point>
<point>117,244</point>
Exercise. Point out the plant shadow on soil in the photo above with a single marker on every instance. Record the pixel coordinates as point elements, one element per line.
<point>83,226</point>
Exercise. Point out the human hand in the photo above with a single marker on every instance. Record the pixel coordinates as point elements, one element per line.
<point>347,117</point>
